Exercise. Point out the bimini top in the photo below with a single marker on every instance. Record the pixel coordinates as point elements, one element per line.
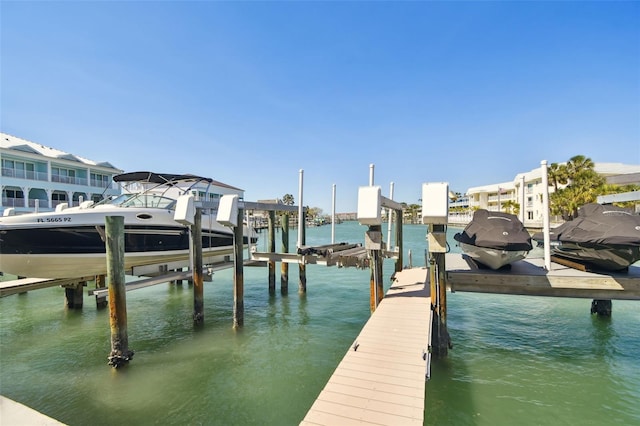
<point>151,177</point>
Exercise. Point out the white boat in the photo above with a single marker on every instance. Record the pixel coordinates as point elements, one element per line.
<point>494,239</point>
<point>69,242</point>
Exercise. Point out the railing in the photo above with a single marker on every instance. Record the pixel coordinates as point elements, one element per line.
<point>100,183</point>
<point>12,202</point>
<point>68,179</point>
<point>43,204</point>
<point>24,174</point>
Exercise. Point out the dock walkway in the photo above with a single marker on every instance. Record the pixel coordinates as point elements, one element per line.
<point>381,379</point>
<point>15,414</point>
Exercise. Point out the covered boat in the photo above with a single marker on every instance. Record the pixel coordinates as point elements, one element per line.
<point>494,239</point>
<point>603,237</point>
<point>69,242</point>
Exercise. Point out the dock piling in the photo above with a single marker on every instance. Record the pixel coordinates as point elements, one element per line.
<point>197,268</point>
<point>602,308</point>
<point>238,277</point>
<point>114,231</point>
<point>272,249</point>
<point>284,266</point>
<point>101,282</point>
<point>302,268</point>
<point>73,295</point>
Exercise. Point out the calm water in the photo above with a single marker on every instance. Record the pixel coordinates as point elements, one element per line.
<point>516,360</point>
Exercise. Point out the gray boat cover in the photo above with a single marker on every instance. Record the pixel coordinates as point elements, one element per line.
<point>495,230</point>
<point>598,224</point>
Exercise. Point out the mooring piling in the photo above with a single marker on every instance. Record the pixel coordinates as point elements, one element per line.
<point>114,231</point>
<point>197,268</point>
<point>272,249</point>
<point>238,276</point>
<point>284,266</point>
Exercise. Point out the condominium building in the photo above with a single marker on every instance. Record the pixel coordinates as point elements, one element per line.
<point>35,177</point>
<point>526,190</point>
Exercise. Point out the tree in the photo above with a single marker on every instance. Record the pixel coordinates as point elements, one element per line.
<point>288,200</point>
<point>413,211</point>
<point>584,185</point>
<point>578,164</point>
<point>511,206</point>
<point>557,174</point>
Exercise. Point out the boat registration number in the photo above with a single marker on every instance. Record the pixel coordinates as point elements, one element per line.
<point>54,219</point>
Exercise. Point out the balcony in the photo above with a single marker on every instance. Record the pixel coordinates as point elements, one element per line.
<point>69,180</point>
<point>24,174</point>
<point>12,202</point>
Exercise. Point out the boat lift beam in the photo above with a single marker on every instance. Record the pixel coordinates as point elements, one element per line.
<point>619,198</point>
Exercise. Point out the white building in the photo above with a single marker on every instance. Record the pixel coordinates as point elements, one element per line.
<point>36,177</point>
<point>526,190</point>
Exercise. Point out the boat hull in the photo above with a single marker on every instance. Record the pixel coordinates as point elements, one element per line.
<point>71,245</point>
<point>493,258</point>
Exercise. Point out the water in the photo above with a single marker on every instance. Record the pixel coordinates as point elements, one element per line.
<point>516,359</point>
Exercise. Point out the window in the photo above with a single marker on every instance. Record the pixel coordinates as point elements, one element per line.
<point>99,180</point>
<point>12,197</point>
<point>62,175</point>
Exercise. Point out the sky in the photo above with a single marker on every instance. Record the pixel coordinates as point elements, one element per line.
<point>251,92</point>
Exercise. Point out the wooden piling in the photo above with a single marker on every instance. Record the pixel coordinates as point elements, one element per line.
<point>196,268</point>
<point>602,308</point>
<point>399,265</point>
<point>373,243</point>
<point>74,295</point>
<point>302,268</point>
<point>272,249</point>
<point>101,282</point>
<point>114,231</point>
<point>284,266</point>
<point>440,340</point>
<point>238,277</point>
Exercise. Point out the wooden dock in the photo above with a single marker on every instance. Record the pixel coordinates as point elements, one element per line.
<point>15,414</point>
<point>381,379</point>
<point>529,277</point>
<point>23,285</point>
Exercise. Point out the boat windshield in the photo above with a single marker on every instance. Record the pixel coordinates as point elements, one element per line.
<point>143,200</point>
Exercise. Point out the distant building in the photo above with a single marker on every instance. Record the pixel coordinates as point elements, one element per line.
<point>35,176</point>
<point>526,190</point>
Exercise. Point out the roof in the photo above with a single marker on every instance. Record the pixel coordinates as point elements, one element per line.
<point>10,142</point>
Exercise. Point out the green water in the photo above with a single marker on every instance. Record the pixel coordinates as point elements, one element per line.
<point>516,360</point>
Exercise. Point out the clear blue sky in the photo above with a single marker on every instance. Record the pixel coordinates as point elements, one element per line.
<point>249,93</point>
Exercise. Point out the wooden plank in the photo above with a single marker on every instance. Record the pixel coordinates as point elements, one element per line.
<point>382,380</point>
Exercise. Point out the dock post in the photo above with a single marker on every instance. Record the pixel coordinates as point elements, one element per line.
<point>272,249</point>
<point>373,243</point>
<point>302,223</point>
<point>602,308</point>
<point>101,282</point>
<point>302,285</point>
<point>197,268</point>
<point>73,295</point>
<point>238,277</point>
<point>440,340</point>
<point>284,266</point>
<point>399,261</point>
<point>114,231</point>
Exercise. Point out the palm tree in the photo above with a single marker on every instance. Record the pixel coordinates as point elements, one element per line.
<point>578,164</point>
<point>557,175</point>
<point>288,200</point>
<point>511,206</point>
